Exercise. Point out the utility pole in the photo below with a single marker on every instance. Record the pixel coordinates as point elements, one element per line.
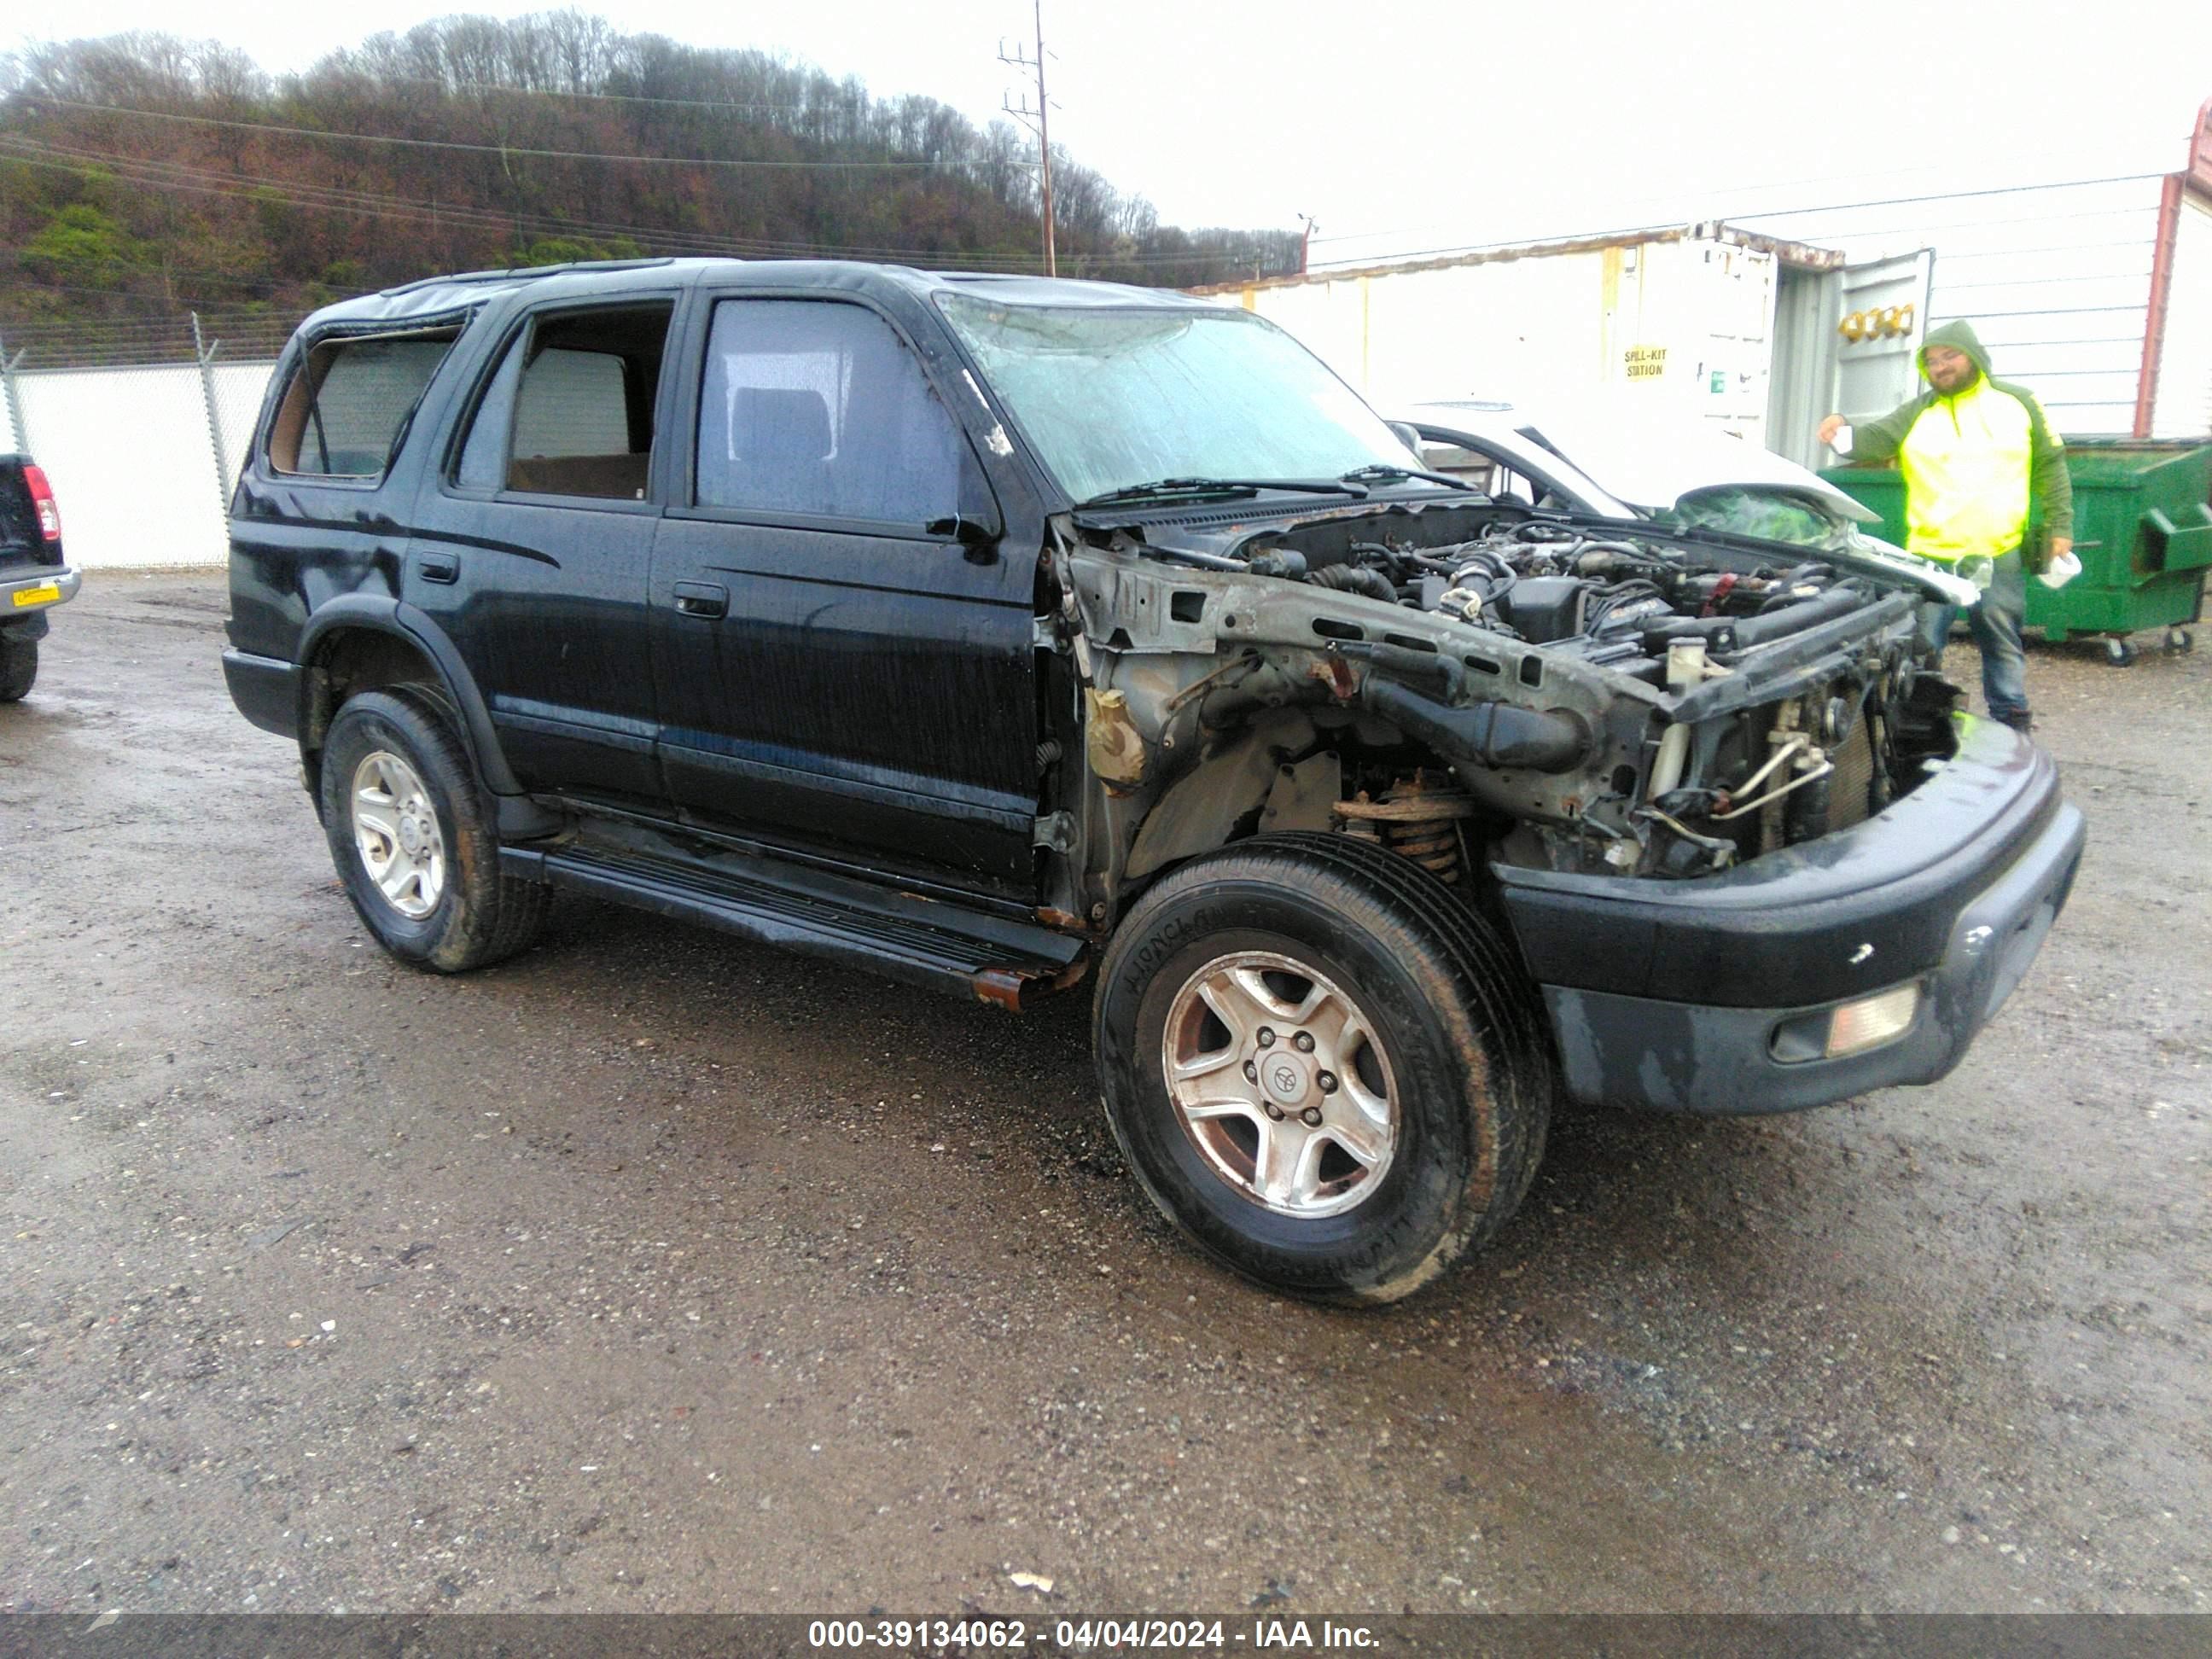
<point>1040,119</point>
<point>1308,224</point>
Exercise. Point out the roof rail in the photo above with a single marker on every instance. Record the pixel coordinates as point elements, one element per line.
<point>530,271</point>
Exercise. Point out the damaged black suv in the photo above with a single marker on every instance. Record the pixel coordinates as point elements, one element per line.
<point>995,632</point>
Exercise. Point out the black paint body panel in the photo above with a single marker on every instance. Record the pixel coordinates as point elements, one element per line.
<point>867,689</point>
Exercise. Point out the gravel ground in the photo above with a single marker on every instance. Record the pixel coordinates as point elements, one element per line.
<point>654,1271</point>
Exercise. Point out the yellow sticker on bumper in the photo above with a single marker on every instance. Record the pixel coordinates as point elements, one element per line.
<point>47,593</point>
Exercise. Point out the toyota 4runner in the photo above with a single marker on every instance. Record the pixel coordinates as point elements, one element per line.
<point>995,632</point>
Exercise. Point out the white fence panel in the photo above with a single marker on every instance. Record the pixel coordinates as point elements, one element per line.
<point>238,390</point>
<point>132,461</point>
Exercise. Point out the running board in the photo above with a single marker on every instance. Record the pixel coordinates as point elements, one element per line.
<point>917,940</point>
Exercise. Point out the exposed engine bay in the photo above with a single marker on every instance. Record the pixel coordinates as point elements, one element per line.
<point>1475,682</point>
<point>1603,599</point>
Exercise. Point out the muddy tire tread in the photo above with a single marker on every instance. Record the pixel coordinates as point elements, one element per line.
<point>19,669</point>
<point>499,915</point>
<point>1488,990</point>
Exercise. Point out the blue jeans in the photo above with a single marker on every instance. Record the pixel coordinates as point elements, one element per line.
<point>1996,624</point>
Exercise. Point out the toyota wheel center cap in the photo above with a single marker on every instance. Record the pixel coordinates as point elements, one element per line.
<point>1285,1075</point>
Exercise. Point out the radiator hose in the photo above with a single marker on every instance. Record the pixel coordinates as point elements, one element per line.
<point>1492,734</point>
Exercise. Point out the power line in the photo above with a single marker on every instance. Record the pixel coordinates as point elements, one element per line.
<point>497,149</point>
<point>85,162</point>
<point>334,199</point>
<point>459,87</point>
<point>303,194</point>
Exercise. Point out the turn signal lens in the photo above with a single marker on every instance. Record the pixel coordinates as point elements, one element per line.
<point>1872,1022</point>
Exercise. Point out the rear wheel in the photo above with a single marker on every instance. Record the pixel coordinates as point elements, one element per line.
<point>19,667</point>
<point>412,839</point>
<point>1321,1066</point>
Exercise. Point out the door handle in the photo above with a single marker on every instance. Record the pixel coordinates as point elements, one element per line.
<point>438,567</point>
<point>708,599</point>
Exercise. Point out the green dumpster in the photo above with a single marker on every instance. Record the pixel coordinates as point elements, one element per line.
<point>2143,530</point>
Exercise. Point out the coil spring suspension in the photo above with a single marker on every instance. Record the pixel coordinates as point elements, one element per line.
<point>1417,818</point>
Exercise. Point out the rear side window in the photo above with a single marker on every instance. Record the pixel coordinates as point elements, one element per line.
<point>569,410</point>
<point>818,408</point>
<point>348,401</point>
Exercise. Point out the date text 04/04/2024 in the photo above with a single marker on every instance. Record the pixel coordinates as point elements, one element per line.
<point>1084,1635</point>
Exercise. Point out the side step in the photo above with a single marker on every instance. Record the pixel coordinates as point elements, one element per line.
<point>920,941</point>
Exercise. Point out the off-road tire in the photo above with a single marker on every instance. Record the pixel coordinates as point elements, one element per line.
<point>481,916</point>
<point>19,667</point>
<point>1464,1039</point>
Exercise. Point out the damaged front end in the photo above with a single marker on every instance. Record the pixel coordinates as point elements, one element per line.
<point>1474,684</point>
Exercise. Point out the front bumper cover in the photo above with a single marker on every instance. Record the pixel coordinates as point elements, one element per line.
<point>1668,995</point>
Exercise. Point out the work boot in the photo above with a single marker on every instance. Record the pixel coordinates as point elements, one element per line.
<point>2020,721</point>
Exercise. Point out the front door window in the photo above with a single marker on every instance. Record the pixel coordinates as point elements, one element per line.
<point>819,409</point>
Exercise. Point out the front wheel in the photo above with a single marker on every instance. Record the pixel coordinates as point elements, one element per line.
<point>413,844</point>
<point>1321,1064</point>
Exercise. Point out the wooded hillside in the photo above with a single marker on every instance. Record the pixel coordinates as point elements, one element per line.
<point>144,176</point>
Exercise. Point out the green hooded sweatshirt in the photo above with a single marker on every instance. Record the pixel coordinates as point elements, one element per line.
<point>1971,460</point>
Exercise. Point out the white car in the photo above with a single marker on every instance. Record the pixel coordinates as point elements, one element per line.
<point>1673,474</point>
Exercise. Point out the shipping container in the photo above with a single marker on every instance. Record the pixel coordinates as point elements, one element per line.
<point>1751,333</point>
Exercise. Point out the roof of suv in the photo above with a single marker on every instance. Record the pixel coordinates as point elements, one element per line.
<point>443,296</point>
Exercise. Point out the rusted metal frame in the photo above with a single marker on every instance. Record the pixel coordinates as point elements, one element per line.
<point>2196,174</point>
<point>2200,149</point>
<point>1004,987</point>
<point>2170,203</point>
<point>1274,620</point>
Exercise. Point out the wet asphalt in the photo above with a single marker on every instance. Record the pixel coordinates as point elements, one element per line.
<point>655,1271</point>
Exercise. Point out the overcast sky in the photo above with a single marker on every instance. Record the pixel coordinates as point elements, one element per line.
<point>1404,126</point>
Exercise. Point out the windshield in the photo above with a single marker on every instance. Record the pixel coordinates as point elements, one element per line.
<point>1110,399</point>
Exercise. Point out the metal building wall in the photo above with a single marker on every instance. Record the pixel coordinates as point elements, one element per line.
<point>2055,278</point>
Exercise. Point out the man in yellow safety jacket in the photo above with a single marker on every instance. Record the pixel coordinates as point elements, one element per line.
<point>1974,451</point>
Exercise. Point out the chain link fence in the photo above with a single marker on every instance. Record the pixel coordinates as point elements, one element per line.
<point>140,427</point>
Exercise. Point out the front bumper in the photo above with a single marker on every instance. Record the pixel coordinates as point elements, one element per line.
<point>1670,995</point>
<point>30,590</point>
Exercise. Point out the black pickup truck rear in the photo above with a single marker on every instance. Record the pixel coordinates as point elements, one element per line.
<point>33,579</point>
